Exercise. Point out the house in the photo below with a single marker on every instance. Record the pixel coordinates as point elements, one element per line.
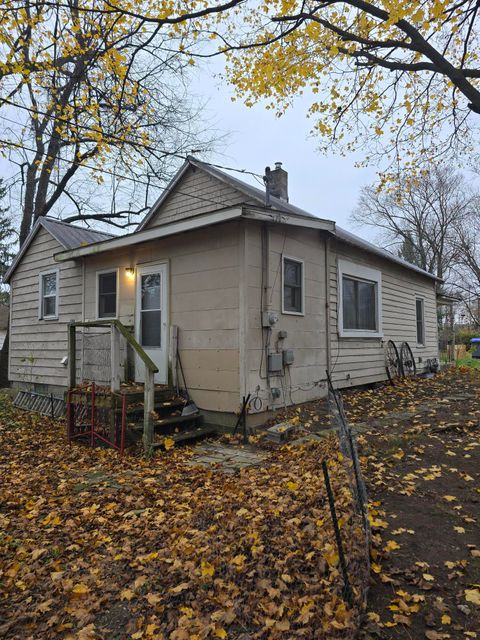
<point>266,297</point>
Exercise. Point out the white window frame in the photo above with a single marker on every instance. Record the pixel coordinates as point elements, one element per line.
<point>41,296</point>
<point>359,272</point>
<point>422,300</point>
<point>97,292</point>
<point>302,263</point>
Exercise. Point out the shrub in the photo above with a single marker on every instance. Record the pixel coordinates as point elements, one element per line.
<point>464,334</point>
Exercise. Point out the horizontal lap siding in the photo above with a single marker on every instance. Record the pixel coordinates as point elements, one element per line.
<point>197,193</point>
<point>204,304</point>
<point>362,360</point>
<point>304,380</point>
<point>37,346</point>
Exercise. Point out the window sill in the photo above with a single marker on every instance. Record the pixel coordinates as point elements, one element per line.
<point>47,318</point>
<point>293,313</point>
<point>360,334</point>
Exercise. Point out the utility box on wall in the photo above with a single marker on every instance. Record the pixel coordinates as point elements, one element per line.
<point>288,357</point>
<point>274,362</point>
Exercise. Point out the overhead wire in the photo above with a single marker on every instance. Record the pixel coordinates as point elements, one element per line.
<point>117,175</point>
<point>116,138</point>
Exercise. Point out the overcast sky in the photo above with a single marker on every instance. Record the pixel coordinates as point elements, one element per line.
<point>325,186</point>
<point>254,138</point>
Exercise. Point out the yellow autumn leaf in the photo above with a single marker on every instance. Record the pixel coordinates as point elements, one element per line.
<point>153,598</point>
<point>449,498</point>
<point>207,568</point>
<point>127,594</point>
<point>80,590</point>
<point>332,558</point>
<point>459,529</point>
<point>239,560</point>
<point>473,596</point>
<point>150,630</point>
<point>446,619</point>
<point>220,633</point>
<point>292,486</point>
<point>376,523</point>
<point>180,587</point>
<point>391,545</point>
<point>168,443</point>
<point>428,577</point>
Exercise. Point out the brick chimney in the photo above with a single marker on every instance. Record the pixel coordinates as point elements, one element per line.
<point>277,182</point>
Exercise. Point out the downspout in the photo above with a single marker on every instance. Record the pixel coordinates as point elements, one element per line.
<point>265,270</point>
<point>327,302</point>
<point>83,315</point>
<point>265,297</point>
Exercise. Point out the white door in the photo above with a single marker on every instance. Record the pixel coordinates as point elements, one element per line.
<point>151,322</point>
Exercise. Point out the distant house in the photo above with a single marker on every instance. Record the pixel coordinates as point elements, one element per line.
<point>266,297</point>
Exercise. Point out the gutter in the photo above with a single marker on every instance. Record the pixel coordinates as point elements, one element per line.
<point>198,222</point>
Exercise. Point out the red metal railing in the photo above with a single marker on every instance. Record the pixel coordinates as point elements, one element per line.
<point>96,415</point>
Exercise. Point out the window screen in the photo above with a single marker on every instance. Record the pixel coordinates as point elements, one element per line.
<point>49,295</point>
<point>107,294</point>
<point>292,286</point>
<point>359,304</point>
<point>420,321</point>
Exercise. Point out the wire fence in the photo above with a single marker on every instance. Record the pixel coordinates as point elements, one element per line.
<point>348,447</point>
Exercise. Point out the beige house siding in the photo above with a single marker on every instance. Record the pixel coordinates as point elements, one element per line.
<point>37,346</point>
<point>357,361</point>
<point>203,303</point>
<point>197,193</point>
<point>304,379</point>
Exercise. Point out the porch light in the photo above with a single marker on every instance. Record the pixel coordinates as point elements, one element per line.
<point>130,271</point>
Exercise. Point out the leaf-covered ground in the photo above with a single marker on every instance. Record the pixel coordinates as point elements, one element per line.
<point>421,450</point>
<point>93,546</point>
<point>96,546</point>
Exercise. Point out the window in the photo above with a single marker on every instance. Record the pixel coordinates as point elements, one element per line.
<point>107,294</point>
<point>293,277</point>
<point>420,320</point>
<point>48,307</point>
<point>359,301</point>
<point>150,310</point>
<point>359,304</point>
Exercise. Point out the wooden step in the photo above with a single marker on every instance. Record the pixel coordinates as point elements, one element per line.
<point>191,434</point>
<point>170,421</point>
<point>168,405</point>
<point>175,420</point>
<point>162,394</point>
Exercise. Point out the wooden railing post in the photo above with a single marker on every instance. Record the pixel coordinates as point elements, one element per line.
<point>72,363</point>
<point>148,406</point>
<point>115,378</point>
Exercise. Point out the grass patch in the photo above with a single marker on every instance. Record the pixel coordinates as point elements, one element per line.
<point>468,361</point>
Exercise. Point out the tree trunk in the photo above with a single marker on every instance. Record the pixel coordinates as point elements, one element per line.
<point>4,360</point>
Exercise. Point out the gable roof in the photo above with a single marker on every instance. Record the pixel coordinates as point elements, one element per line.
<point>250,192</point>
<point>258,195</point>
<point>66,234</point>
<point>279,211</point>
<point>71,236</point>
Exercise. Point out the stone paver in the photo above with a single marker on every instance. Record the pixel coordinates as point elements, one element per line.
<point>227,458</point>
